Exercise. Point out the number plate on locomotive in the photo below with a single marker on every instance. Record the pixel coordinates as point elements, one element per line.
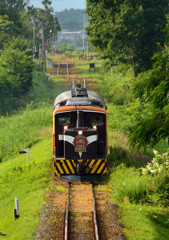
<point>80,149</point>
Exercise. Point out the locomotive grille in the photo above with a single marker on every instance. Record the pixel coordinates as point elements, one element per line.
<point>92,166</point>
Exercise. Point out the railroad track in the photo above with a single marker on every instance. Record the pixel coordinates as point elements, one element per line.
<point>81,224</point>
<point>62,68</point>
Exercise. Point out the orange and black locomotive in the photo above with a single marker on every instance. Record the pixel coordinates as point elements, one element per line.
<point>80,135</point>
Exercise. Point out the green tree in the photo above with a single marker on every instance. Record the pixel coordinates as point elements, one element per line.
<point>6,27</point>
<point>47,5</point>
<point>16,69</point>
<point>18,5</point>
<point>13,20</point>
<point>51,25</point>
<point>152,116</point>
<point>127,31</point>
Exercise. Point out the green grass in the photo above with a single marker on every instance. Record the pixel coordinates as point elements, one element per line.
<point>22,130</point>
<point>44,91</point>
<point>83,68</point>
<point>127,182</point>
<point>28,182</point>
<point>145,222</point>
<point>61,189</point>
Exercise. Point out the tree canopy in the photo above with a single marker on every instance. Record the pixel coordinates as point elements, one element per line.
<point>127,31</point>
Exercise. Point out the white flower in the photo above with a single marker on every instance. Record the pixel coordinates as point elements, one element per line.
<point>155,152</point>
<point>144,171</point>
<point>148,167</point>
<point>153,171</point>
<point>156,165</point>
<point>160,168</point>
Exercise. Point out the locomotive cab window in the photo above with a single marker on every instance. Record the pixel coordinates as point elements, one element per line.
<point>62,119</point>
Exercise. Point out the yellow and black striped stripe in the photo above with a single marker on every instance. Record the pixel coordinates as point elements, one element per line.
<point>92,166</point>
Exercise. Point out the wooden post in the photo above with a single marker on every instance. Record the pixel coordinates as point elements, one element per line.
<point>25,151</point>
<point>16,210</point>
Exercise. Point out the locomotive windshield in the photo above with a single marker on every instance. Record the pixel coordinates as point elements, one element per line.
<point>73,120</point>
<point>80,119</point>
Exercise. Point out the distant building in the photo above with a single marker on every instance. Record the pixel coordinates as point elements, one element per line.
<point>77,38</point>
<point>71,35</point>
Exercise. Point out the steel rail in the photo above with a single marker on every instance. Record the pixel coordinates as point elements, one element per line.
<point>95,215</point>
<point>58,68</point>
<point>67,68</point>
<point>66,229</point>
<point>67,216</point>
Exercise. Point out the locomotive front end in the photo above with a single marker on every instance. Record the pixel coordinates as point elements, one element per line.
<point>80,136</point>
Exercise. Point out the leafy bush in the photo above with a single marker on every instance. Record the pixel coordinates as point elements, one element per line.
<point>152,89</point>
<point>151,186</point>
<point>159,164</point>
<point>158,189</point>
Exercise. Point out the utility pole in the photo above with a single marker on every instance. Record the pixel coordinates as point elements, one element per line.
<point>34,22</point>
<point>34,39</point>
<point>43,48</point>
<point>83,32</point>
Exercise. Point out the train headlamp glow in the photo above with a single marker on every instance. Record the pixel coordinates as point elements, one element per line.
<point>65,127</point>
<point>80,132</point>
<point>94,127</point>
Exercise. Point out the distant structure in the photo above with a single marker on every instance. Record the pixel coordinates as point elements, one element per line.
<point>71,35</point>
<point>77,38</point>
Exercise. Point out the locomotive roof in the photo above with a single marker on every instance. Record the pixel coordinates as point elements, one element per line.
<point>80,97</point>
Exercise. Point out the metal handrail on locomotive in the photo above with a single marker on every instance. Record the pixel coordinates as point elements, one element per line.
<point>80,135</point>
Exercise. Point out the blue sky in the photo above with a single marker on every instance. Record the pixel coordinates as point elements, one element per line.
<point>60,5</point>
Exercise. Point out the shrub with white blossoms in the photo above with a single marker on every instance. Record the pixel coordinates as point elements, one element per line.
<point>159,164</point>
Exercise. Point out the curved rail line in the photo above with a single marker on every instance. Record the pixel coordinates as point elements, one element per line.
<point>67,217</point>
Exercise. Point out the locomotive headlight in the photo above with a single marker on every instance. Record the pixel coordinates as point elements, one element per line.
<point>94,127</point>
<point>80,132</point>
<point>65,127</point>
